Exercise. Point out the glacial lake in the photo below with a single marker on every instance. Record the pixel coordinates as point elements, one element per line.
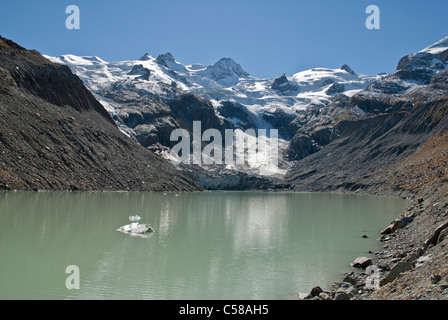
<point>206,245</point>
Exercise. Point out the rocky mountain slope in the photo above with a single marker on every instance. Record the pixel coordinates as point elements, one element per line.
<point>54,135</point>
<point>391,139</point>
<point>379,126</point>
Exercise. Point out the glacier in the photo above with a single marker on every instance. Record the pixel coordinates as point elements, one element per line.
<point>150,96</point>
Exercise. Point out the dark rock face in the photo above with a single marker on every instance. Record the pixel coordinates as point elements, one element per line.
<point>314,127</point>
<point>163,58</point>
<point>143,72</point>
<point>363,146</point>
<point>145,57</point>
<point>234,110</point>
<point>53,83</point>
<point>335,89</point>
<point>419,75</point>
<point>283,86</point>
<point>153,119</point>
<point>348,69</point>
<point>371,103</point>
<point>146,135</point>
<point>417,61</point>
<point>387,87</point>
<point>189,107</point>
<point>301,146</point>
<point>440,81</point>
<point>420,67</point>
<point>280,120</point>
<point>55,136</point>
<point>322,135</point>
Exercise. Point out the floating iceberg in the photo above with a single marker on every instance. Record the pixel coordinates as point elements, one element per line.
<point>135,228</point>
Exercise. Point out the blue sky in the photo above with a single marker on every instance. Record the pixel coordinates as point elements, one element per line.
<point>267,38</point>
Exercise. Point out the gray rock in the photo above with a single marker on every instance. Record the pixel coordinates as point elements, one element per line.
<point>164,58</point>
<point>361,262</point>
<point>335,88</point>
<point>435,278</point>
<point>420,261</point>
<point>397,224</point>
<point>325,296</point>
<point>143,72</point>
<point>302,296</point>
<point>387,87</point>
<point>433,239</point>
<point>402,266</point>
<point>354,279</point>
<point>283,85</point>
<point>146,134</point>
<point>235,110</point>
<point>348,69</point>
<point>281,121</point>
<point>301,146</point>
<point>443,285</point>
<point>322,135</point>
<point>316,291</point>
<point>344,291</point>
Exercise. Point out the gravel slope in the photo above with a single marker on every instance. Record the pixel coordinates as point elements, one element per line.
<point>54,135</point>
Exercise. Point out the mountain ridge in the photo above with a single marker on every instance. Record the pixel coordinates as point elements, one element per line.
<point>54,135</point>
<point>304,107</point>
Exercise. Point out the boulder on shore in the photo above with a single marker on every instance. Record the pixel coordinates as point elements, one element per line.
<point>343,291</point>
<point>397,224</point>
<point>361,262</point>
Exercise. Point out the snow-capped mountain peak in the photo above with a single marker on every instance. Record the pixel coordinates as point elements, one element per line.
<point>225,80</point>
<point>421,66</point>
<point>226,71</point>
<point>348,69</point>
<point>229,64</point>
<point>166,57</point>
<point>437,47</point>
<point>87,60</point>
<point>146,57</point>
<point>167,60</point>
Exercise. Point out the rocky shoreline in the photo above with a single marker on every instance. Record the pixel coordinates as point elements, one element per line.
<point>405,158</point>
<point>413,261</point>
<point>409,268</point>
